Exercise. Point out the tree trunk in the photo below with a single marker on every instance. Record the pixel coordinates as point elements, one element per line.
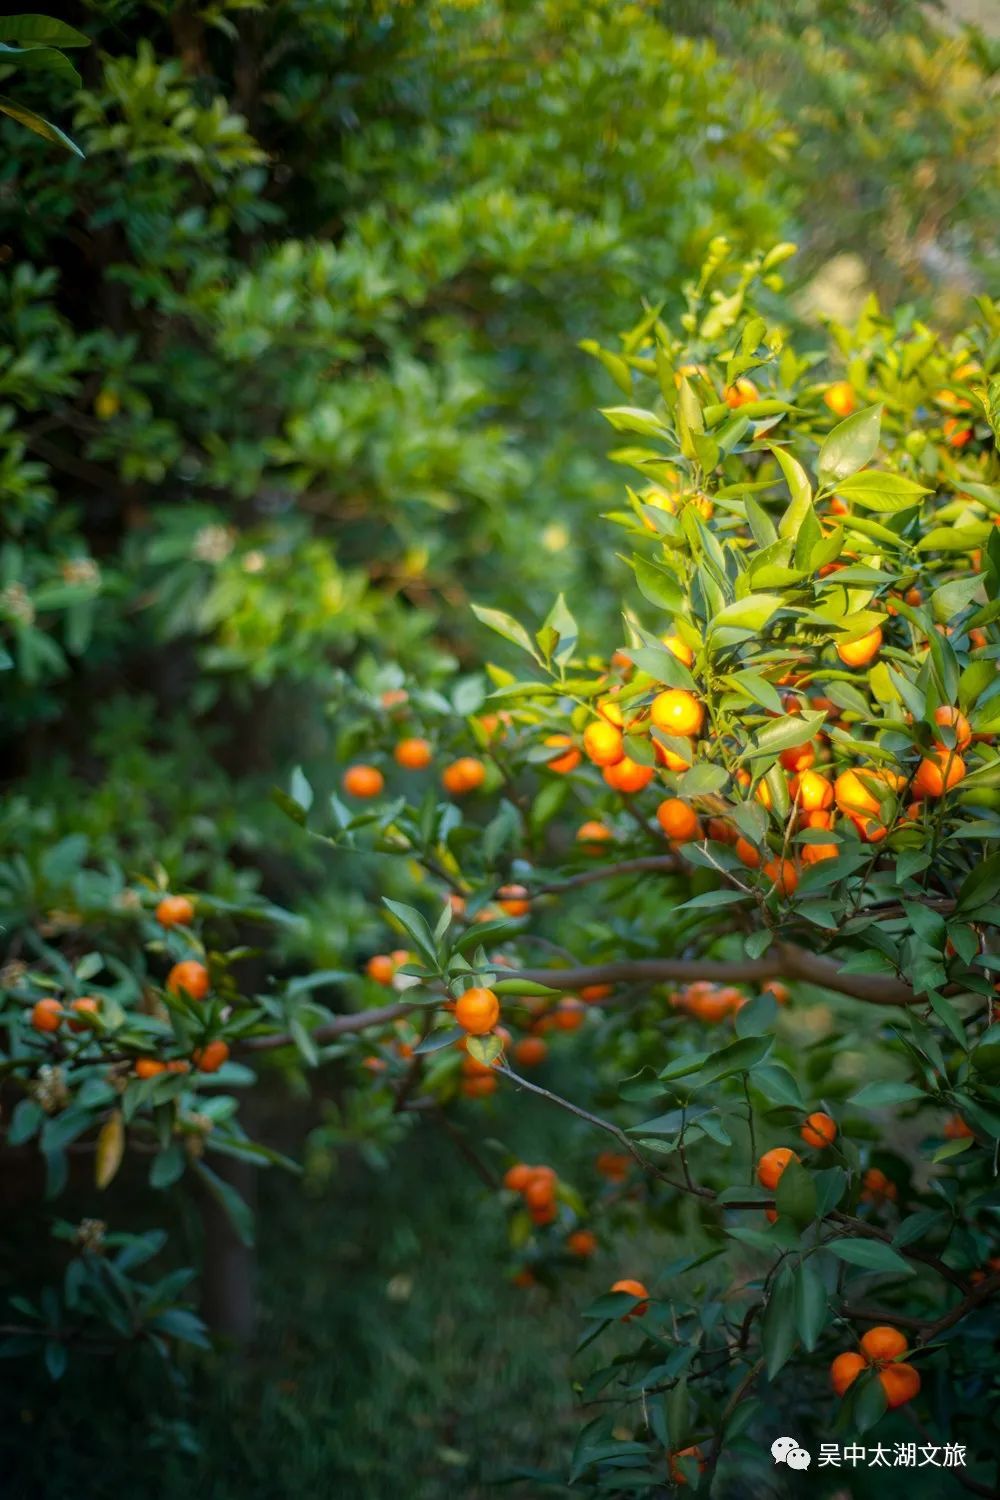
<point>229,1269</point>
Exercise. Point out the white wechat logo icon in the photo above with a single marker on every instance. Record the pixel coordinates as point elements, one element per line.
<point>786,1450</point>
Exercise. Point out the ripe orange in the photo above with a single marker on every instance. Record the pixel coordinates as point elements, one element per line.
<point>812,854</point>
<point>813,791</point>
<point>480,1086</point>
<point>86,1005</point>
<point>569,1013</point>
<point>860,652</point>
<point>628,775</point>
<point>149,1067</point>
<point>883,1343</point>
<point>613,1165</point>
<point>677,712</point>
<point>819,1130</point>
<point>957,432</point>
<point>592,993</point>
<point>566,762</point>
<point>514,900</point>
<point>593,834</point>
<point>678,820</point>
<point>772,1164</point>
<point>603,742</point>
<point>853,795</point>
<point>464,775</point>
<point>900,1383</point>
<point>539,1191</point>
<point>876,1187</point>
<point>381,968</point>
<point>676,1472</point>
<point>845,1370</point>
<point>780,991</point>
<point>679,648</point>
<point>740,392</point>
<point>477,1011</point>
<point>671,758</point>
<point>783,875</point>
<point>747,854</point>
<point>517,1177</point>
<point>722,831</point>
<point>955,720</point>
<point>46,1015</point>
<point>582,1242</point>
<point>524,1278</point>
<point>938,773</point>
<point>840,398</point>
<point>799,757</point>
<point>956,1129</point>
<point>363,781</point>
<point>634,1289</point>
<point>530,1052</point>
<point>175,911</point>
<point>209,1059</point>
<point>394,697</point>
<point>190,978</point>
<point>414,753</point>
<point>178,1065</point>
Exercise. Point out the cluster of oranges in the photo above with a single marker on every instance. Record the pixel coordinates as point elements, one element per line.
<point>881,1350</point>
<point>538,1187</point>
<point>460,777</point>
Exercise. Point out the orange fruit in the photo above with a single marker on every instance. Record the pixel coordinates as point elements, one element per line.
<point>175,911</point>
<point>381,968</point>
<point>676,1472</point>
<point>477,1011</point>
<point>514,900</point>
<point>854,795</point>
<point>772,1164</point>
<point>955,720</point>
<point>568,760</point>
<point>840,398</point>
<point>677,712</point>
<point>747,854</point>
<point>209,1059</point>
<point>956,1129</point>
<point>780,991</point>
<point>592,993</point>
<point>539,1191</point>
<point>679,648</point>
<point>634,1289</point>
<point>740,392</point>
<point>149,1067</point>
<point>362,781</point>
<point>938,773</point>
<point>46,1015</point>
<point>900,1383</point>
<point>628,775</point>
<point>517,1177</point>
<point>480,1086</point>
<point>957,432</point>
<point>876,1187</point>
<point>678,820</point>
<point>464,775</point>
<point>883,1343</point>
<point>582,1242</point>
<point>819,1130</point>
<point>783,875</point>
<point>569,1013</point>
<point>178,1065</point>
<point>393,697</point>
<point>530,1052</point>
<point>812,854</point>
<point>813,791</point>
<point>86,1005</point>
<point>613,1165</point>
<point>190,978</point>
<point>858,653</point>
<point>413,753</point>
<point>799,757</point>
<point>524,1278</point>
<point>603,742</point>
<point>593,834</point>
<point>845,1370</point>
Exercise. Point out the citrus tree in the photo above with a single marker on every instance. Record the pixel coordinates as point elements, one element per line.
<point>746,851</point>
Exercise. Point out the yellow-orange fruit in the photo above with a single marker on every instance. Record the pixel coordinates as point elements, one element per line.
<point>813,854</point>
<point>747,854</point>
<point>190,978</point>
<point>819,1130</point>
<point>46,1015</point>
<point>883,1343</point>
<point>813,791</point>
<point>614,1165</point>
<point>209,1059</point>
<point>957,432</point>
<point>517,1177</point>
<point>840,398</point>
<point>740,392</point>
<point>860,652</point>
<point>175,911</point>
<point>477,1011</point>
<point>582,1242</point>
<point>593,834</point>
<point>678,820</point>
<point>628,776</point>
<point>149,1067</point>
<point>779,990</point>
<point>603,742</point>
<point>514,900</point>
<point>568,1014</point>
<point>530,1052</point>
<point>679,648</point>
<point>568,759</point>
<point>381,968</point>
<point>363,781</point>
<point>876,1187</point>
<point>677,712</point>
<point>592,993</point>
<point>854,795</point>
<point>634,1289</point>
<point>480,1086</point>
<point>783,875</point>
<point>938,773</point>
<point>799,757</point>
<point>956,1129</point>
<point>954,719</point>
<point>86,1005</point>
<point>464,775</point>
<point>900,1382</point>
<point>672,759</point>
<point>413,753</point>
<point>676,1472</point>
<point>772,1164</point>
<point>845,1370</point>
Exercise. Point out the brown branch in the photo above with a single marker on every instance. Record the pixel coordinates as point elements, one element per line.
<point>650,862</point>
<point>358,1020</point>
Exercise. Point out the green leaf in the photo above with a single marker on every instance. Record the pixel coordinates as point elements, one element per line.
<point>38,124</point>
<point>852,444</point>
<point>871,1255</point>
<point>738,1057</point>
<point>875,1095</point>
<point>795,1195</point>
<point>750,614</point>
<point>658,586</point>
<point>415,928</point>
<point>229,1200</point>
<point>778,1329</point>
<point>507,626</point>
<point>875,490</point>
<point>40,31</point>
<point>811,1309</point>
